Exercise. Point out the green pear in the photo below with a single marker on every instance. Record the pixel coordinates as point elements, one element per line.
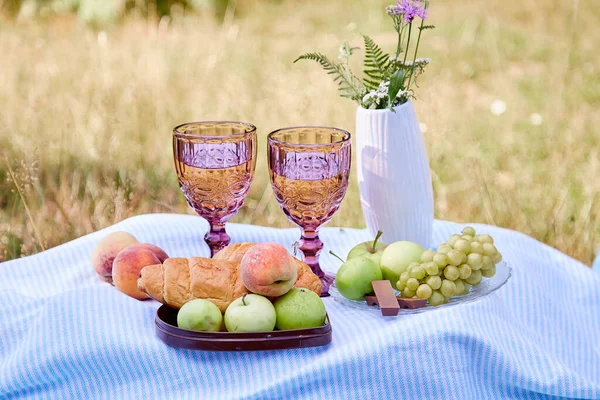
<point>372,249</point>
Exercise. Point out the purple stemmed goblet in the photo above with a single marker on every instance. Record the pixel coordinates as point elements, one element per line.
<point>215,163</point>
<point>309,168</point>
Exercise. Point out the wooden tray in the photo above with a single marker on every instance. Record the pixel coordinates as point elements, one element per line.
<point>168,332</point>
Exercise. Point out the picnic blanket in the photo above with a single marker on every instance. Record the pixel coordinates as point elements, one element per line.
<point>66,334</point>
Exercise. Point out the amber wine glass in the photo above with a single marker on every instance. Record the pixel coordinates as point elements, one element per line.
<point>309,168</point>
<point>215,163</point>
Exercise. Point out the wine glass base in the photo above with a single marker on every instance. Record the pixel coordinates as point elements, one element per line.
<point>326,282</point>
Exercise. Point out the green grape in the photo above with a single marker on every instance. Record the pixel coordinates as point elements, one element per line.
<point>432,268</point>
<point>452,240</point>
<point>417,272</point>
<point>468,238</point>
<point>455,257</point>
<point>464,271</point>
<point>407,293</point>
<point>434,281</point>
<point>427,256</point>
<point>476,247</point>
<point>467,288</point>
<point>488,273</point>
<point>404,277</point>
<point>424,291</point>
<point>411,266</point>
<point>487,263</point>
<point>460,286</point>
<point>475,261</point>
<point>440,259</point>
<point>448,288</point>
<point>489,249</point>
<point>444,248</point>
<point>436,299</point>
<point>451,272</point>
<point>400,285</point>
<point>447,299</point>
<point>412,284</point>
<point>463,246</point>
<point>496,258</point>
<point>485,239</point>
<point>475,278</point>
<point>468,230</point>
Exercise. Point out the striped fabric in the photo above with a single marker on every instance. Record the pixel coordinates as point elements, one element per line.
<point>64,334</point>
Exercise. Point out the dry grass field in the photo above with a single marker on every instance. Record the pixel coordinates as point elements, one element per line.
<point>86,114</point>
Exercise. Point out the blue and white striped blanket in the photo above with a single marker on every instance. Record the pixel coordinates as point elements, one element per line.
<point>65,334</point>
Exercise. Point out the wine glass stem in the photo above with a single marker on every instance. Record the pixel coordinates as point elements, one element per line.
<point>216,238</point>
<point>311,246</point>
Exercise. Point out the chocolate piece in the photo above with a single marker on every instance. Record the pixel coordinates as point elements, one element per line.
<point>386,298</point>
<point>402,302</point>
<point>411,303</point>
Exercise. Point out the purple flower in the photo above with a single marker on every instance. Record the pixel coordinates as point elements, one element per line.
<point>409,9</point>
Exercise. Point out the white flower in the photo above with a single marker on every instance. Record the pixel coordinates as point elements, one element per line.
<point>423,61</point>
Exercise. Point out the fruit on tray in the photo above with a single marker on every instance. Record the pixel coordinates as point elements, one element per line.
<point>128,264</point>
<point>268,269</point>
<point>353,279</point>
<point>451,269</point>
<point>200,315</point>
<point>250,313</point>
<point>179,280</point>
<point>372,249</point>
<point>396,258</point>
<point>106,250</point>
<point>299,308</point>
<point>306,278</point>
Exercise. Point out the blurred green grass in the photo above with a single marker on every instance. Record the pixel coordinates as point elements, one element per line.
<point>86,114</point>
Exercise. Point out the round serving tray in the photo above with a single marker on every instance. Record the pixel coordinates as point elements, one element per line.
<point>487,286</point>
<point>168,332</point>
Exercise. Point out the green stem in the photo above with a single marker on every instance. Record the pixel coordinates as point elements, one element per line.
<point>244,299</point>
<point>399,47</point>
<point>412,71</point>
<point>407,42</point>
<point>379,233</point>
<point>336,256</point>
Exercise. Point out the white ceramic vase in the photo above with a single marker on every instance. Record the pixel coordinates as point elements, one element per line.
<point>393,175</point>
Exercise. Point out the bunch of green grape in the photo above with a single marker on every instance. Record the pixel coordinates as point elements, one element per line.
<point>452,269</point>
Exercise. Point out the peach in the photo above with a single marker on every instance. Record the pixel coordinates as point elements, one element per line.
<point>106,250</point>
<point>157,251</point>
<point>128,264</point>
<point>268,269</point>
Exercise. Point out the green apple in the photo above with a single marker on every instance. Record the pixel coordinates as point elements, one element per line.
<point>353,279</point>
<point>250,313</point>
<point>299,308</point>
<point>372,249</point>
<point>396,257</point>
<point>200,315</point>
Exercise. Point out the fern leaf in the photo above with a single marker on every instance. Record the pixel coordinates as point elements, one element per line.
<point>376,63</point>
<point>424,27</point>
<point>348,85</point>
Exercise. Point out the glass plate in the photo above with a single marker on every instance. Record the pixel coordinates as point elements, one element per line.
<point>487,286</point>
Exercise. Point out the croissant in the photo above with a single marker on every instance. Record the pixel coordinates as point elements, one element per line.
<point>217,279</point>
<point>179,280</point>
<point>306,278</point>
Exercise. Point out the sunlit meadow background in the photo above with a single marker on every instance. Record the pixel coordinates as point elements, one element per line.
<point>509,109</point>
